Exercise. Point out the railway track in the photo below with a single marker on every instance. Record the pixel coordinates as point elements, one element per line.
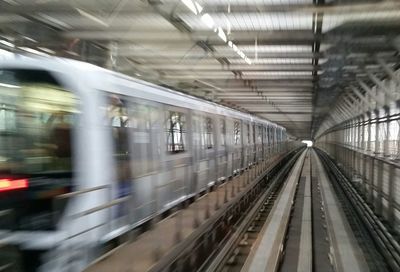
<point>297,217</point>
<point>234,254</point>
<point>324,230</point>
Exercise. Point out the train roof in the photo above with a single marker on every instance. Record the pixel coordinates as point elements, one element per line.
<point>74,66</point>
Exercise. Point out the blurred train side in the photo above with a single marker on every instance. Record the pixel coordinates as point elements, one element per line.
<point>125,170</point>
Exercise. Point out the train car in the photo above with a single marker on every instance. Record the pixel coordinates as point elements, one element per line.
<point>88,154</point>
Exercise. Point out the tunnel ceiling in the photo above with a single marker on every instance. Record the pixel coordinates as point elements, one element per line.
<point>284,60</point>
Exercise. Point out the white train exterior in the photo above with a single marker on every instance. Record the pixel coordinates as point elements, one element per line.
<point>99,153</point>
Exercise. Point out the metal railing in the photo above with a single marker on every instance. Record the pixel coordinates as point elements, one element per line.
<point>375,178</point>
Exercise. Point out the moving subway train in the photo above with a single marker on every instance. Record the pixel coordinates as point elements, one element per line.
<point>87,154</point>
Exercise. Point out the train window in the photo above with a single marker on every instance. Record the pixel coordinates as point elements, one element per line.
<point>176,132</point>
<point>119,121</point>
<point>36,117</point>
<point>209,141</point>
<point>236,133</point>
<point>223,131</point>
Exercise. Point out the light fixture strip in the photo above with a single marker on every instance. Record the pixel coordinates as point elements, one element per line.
<point>7,43</point>
<point>33,51</point>
<point>197,9</point>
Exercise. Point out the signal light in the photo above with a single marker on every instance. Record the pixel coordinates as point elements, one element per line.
<point>13,184</point>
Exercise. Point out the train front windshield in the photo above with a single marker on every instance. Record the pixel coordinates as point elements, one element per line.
<point>36,118</point>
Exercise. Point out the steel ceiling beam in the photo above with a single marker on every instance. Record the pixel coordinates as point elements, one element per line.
<point>388,69</point>
<point>234,67</point>
<point>214,6</point>
<point>172,53</point>
<point>382,86</point>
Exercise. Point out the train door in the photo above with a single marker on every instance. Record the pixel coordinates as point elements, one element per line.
<point>254,146</point>
<point>204,145</point>
<point>209,148</point>
<point>237,145</point>
<point>175,180</point>
<point>222,156</point>
<point>259,142</point>
<point>246,144</point>
<point>136,150</point>
<point>119,121</point>
<point>145,147</point>
<point>269,137</point>
<point>265,141</point>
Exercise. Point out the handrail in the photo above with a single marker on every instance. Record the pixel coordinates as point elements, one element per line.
<point>72,194</point>
<point>102,207</point>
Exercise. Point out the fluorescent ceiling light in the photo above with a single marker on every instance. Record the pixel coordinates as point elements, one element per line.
<point>247,60</point>
<point>206,18</point>
<point>235,48</point>
<point>278,73</point>
<point>230,44</point>
<point>199,7</point>
<point>47,50</point>
<point>277,61</point>
<point>6,43</point>
<point>30,39</point>
<point>221,34</point>
<point>72,53</point>
<point>193,6</point>
<point>9,85</point>
<point>33,51</point>
<point>91,17</point>
<point>277,48</point>
<point>54,21</point>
